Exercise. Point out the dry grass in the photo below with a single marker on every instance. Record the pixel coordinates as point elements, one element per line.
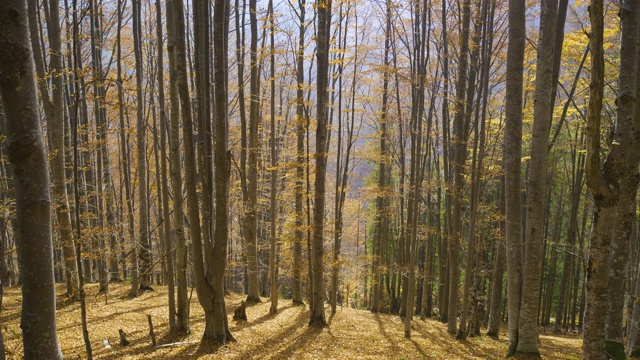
<point>352,334</point>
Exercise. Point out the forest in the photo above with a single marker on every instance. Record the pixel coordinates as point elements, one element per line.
<point>372,179</point>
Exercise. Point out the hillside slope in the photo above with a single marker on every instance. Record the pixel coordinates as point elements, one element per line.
<point>352,334</point>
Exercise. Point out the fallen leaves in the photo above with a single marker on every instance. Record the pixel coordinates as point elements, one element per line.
<point>352,334</point>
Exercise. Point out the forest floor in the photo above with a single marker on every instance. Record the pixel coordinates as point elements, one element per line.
<point>352,334</point>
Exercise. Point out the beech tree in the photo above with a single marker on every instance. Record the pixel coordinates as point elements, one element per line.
<point>323,9</point>
<point>512,165</point>
<point>27,153</point>
<point>54,115</point>
<point>537,182</point>
<point>609,182</point>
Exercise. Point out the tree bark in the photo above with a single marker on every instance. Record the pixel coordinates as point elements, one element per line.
<point>55,124</point>
<point>300,162</point>
<point>627,102</point>
<point>512,165</point>
<point>537,186</point>
<point>608,183</point>
<point>27,153</point>
<point>251,195</point>
<point>459,143</point>
<point>169,247</point>
<point>323,8</point>
<point>182,309</point>
<point>274,170</point>
<point>143,226</point>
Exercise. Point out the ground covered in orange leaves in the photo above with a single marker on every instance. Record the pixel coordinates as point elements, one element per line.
<point>352,334</point>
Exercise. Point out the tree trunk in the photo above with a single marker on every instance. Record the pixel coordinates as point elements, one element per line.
<point>633,340</point>
<point>27,153</point>
<point>124,149</point>
<point>459,140</point>
<point>144,241</point>
<point>626,124</point>
<point>512,165</point>
<point>274,170</point>
<point>221,162</point>
<point>251,194</point>
<point>537,183</point>
<point>169,250</point>
<point>182,310</point>
<point>495,314</point>
<point>55,124</point>
<point>299,177</point>
<point>323,43</point>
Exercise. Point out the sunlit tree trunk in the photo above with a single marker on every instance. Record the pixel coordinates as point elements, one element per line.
<point>323,43</point>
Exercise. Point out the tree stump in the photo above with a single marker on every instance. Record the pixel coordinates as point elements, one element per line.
<point>240,314</point>
<point>123,338</point>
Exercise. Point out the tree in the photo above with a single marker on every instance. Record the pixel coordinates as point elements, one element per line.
<point>170,272</point>
<point>537,182</point>
<point>27,154</point>
<point>382,200</point>
<point>221,160</point>
<point>459,145</point>
<point>251,198</point>
<point>182,310</point>
<point>611,181</point>
<point>323,9</point>
<point>55,121</point>
<point>512,164</point>
<point>274,169</point>
<point>144,241</point>
<point>300,134</point>
<point>628,113</point>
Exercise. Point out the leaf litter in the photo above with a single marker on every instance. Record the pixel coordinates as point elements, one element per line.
<point>351,334</point>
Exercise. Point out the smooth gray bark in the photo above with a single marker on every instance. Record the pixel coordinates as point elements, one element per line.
<point>27,154</point>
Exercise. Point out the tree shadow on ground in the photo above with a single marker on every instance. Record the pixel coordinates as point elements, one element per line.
<point>239,325</point>
<point>273,343</point>
<point>384,332</point>
<point>300,342</point>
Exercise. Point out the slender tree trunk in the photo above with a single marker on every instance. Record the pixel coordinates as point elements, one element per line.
<point>459,140</point>
<point>182,309</point>
<point>569,256</point>
<point>323,43</point>
<point>512,165</point>
<point>274,169</point>
<point>495,314</point>
<point>250,201</point>
<point>169,247</point>
<point>144,241</point>
<point>221,162</point>
<point>537,183</point>
<point>299,177</point>
<point>55,124</point>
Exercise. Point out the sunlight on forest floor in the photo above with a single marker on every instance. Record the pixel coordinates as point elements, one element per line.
<point>352,334</point>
